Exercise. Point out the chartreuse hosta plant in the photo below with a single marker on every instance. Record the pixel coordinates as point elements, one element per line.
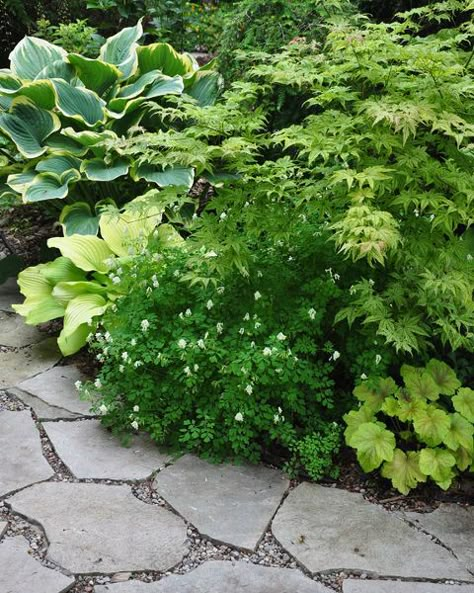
<point>87,279</point>
<point>58,109</point>
<point>419,431</point>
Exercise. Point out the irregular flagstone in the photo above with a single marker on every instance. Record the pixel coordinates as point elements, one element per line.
<point>22,462</point>
<point>91,451</point>
<point>15,333</point>
<point>56,389</point>
<point>331,529</point>
<point>3,528</point>
<point>225,577</point>
<point>454,526</point>
<point>18,366</point>
<point>20,573</point>
<point>9,295</point>
<point>102,528</point>
<point>354,586</point>
<point>43,410</point>
<point>231,504</point>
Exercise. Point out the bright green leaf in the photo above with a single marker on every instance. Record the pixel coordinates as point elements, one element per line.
<point>404,471</point>
<point>432,425</point>
<point>374,444</point>
<point>463,403</point>
<point>444,377</point>
<point>32,54</point>
<point>87,252</point>
<point>121,49</point>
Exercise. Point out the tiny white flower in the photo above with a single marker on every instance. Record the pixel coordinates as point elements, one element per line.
<point>133,342</point>
<point>196,368</point>
<point>223,216</point>
<point>279,410</point>
<point>363,376</point>
<point>210,254</point>
<point>247,204</point>
<point>108,337</point>
<point>182,343</point>
<point>278,371</point>
<point>103,409</point>
<point>154,281</point>
<point>220,327</point>
<point>276,419</point>
<point>125,356</point>
<point>281,336</point>
<point>98,383</point>
<point>176,274</point>
<point>209,304</point>
<point>432,217</point>
<point>267,351</point>
<point>352,290</point>
<point>252,344</point>
<point>119,271</point>
<point>138,363</point>
<point>469,257</point>
<point>136,408</point>
<point>239,417</point>
<point>259,274</point>
<point>247,317</point>
<point>335,355</point>
<point>257,324</point>
<point>145,324</point>
<point>134,425</point>
<point>312,313</point>
<point>188,313</point>
<point>187,371</point>
<point>121,368</point>
<point>220,290</point>
<point>181,315</point>
<point>378,359</point>
<point>90,337</point>
<point>243,370</point>
<point>257,295</point>
<point>78,385</point>
<point>116,280</point>
<point>371,282</point>
<point>249,389</point>
<point>201,344</point>
<point>241,331</point>
<point>336,277</point>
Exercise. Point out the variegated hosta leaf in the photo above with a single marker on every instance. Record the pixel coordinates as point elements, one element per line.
<point>99,170</point>
<point>80,104</point>
<point>88,137</point>
<point>463,403</point>
<point>87,252</point>
<point>404,470</point>
<point>61,143</point>
<point>28,126</point>
<point>97,75</point>
<point>159,85</point>
<point>163,57</point>
<point>78,219</point>
<point>438,464</point>
<point>58,164</point>
<point>374,444</point>
<point>444,377</point>
<point>49,186</point>
<point>57,69</point>
<point>177,176</point>
<point>40,92</point>
<point>205,87</point>
<point>32,55</point>
<point>19,182</point>
<point>121,50</point>
<point>9,83</point>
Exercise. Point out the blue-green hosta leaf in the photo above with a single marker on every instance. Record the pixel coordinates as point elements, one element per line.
<point>420,383</point>
<point>159,85</point>
<point>87,252</point>
<point>162,56</point>
<point>63,143</point>
<point>460,433</point>
<point>20,181</point>
<point>32,54</point>
<point>130,91</point>
<point>88,137</point>
<point>444,377</point>
<point>438,463</point>
<point>205,87</point>
<point>57,69</point>
<point>463,403</point>
<point>121,49</point>
<point>49,186</point>
<point>79,103</point>
<point>165,86</point>
<point>431,425</point>
<point>9,83</point>
<point>78,219</point>
<point>99,170</point>
<point>5,103</point>
<point>28,126</point>
<point>404,471</point>
<point>58,164</point>
<point>374,444</point>
<point>177,176</point>
<point>97,75</point>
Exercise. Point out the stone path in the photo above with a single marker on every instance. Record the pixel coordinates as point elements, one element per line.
<point>81,513</point>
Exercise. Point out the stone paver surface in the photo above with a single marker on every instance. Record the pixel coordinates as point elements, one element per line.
<point>327,529</point>
<point>29,361</point>
<point>454,526</point>
<point>231,504</point>
<point>22,462</point>
<point>54,392</point>
<point>15,333</point>
<point>362,586</point>
<point>20,573</point>
<point>9,294</point>
<point>100,528</point>
<point>3,527</point>
<point>225,577</point>
<point>91,451</point>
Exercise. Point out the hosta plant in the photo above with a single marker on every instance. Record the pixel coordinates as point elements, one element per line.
<point>58,108</point>
<point>418,431</point>
<point>86,279</point>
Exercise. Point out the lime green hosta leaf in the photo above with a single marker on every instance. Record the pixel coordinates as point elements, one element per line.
<point>121,49</point>
<point>463,403</point>
<point>73,342</point>
<point>205,88</point>
<point>354,419</point>
<point>81,310</point>
<point>87,252</point>
<point>374,444</point>
<point>375,392</point>
<point>404,471</point>
<point>48,186</point>
<point>58,164</point>
<point>62,270</point>
<point>444,377</point>
<point>40,309</point>
<point>464,458</point>
<point>97,75</point>
<point>32,54</point>
<point>9,83</point>
<point>99,170</point>
<point>438,463</point>
<point>79,103</point>
<point>432,425</point>
<point>78,219</point>
<point>28,126</point>
<point>460,433</point>
<point>168,236</point>
<point>177,176</point>
<point>129,231</point>
<point>420,383</point>
<point>163,57</point>
<point>66,291</point>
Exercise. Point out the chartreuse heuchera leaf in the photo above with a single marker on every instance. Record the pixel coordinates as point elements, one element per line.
<point>356,418</point>
<point>374,393</point>
<point>438,464</point>
<point>432,425</point>
<point>420,383</point>
<point>444,377</point>
<point>463,403</point>
<point>374,444</point>
<point>404,470</point>
<point>460,433</point>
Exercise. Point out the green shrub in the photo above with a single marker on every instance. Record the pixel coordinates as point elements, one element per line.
<point>64,113</point>
<point>422,430</point>
<point>77,37</point>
